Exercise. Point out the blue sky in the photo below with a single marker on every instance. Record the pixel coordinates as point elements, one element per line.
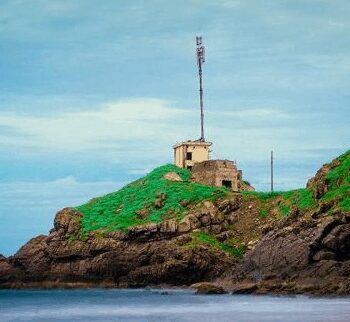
<point>93,94</point>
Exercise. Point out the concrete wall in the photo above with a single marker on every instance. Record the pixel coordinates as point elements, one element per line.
<point>199,150</point>
<point>214,172</point>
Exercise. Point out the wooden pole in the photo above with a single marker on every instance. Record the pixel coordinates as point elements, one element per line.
<point>271,171</point>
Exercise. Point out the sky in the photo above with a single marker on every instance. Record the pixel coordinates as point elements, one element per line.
<point>94,94</point>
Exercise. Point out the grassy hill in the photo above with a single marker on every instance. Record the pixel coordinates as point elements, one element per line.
<point>338,181</point>
<point>154,198</point>
<point>136,203</point>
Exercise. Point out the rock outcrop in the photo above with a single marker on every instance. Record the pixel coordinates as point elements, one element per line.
<point>145,255</point>
<point>243,243</point>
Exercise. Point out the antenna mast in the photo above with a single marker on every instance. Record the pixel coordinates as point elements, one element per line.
<point>200,60</point>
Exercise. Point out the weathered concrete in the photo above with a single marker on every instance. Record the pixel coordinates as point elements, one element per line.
<point>218,173</point>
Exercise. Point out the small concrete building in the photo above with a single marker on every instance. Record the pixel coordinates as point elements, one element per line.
<point>188,153</point>
<point>220,173</point>
<point>194,155</point>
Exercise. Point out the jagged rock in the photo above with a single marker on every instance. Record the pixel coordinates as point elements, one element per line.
<point>318,182</point>
<point>208,288</point>
<point>251,244</point>
<point>306,252</point>
<point>338,241</point>
<point>184,225</point>
<point>244,288</point>
<point>7,271</point>
<point>67,221</point>
<point>230,205</point>
<point>324,255</point>
<point>169,226</point>
<point>194,221</point>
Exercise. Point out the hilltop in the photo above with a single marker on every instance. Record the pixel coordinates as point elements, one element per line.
<point>166,229</point>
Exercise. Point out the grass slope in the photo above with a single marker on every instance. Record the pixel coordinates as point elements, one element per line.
<point>338,181</point>
<point>135,203</point>
<point>119,210</point>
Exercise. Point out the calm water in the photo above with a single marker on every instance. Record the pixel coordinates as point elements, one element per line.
<point>174,305</point>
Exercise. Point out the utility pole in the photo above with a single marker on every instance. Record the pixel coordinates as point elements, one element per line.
<point>200,60</point>
<point>271,171</point>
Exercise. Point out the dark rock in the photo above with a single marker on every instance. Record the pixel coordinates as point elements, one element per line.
<point>184,203</point>
<point>245,288</point>
<point>338,241</point>
<point>324,255</point>
<point>159,201</point>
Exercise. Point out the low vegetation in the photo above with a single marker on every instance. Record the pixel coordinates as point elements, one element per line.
<point>230,246</point>
<point>154,198</point>
<point>338,180</point>
<point>149,199</point>
<point>285,200</point>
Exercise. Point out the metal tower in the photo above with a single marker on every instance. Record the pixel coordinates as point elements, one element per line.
<point>200,60</point>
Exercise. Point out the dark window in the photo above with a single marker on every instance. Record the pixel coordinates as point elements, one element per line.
<point>227,183</point>
<point>189,168</point>
<point>189,155</point>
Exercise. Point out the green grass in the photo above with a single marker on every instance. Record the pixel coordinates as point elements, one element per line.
<point>300,198</point>
<point>338,180</point>
<point>284,209</point>
<point>210,240</point>
<point>118,210</point>
<point>340,174</point>
<point>263,212</point>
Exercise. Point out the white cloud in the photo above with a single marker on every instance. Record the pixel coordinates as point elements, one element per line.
<point>254,113</point>
<point>114,123</point>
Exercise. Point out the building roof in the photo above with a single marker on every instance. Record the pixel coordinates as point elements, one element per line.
<point>193,143</point>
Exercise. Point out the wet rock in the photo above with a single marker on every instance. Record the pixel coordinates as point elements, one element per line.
<point>208,288</point>
<point>244,288</point>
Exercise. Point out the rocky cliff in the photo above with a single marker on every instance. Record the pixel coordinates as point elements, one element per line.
<point>165,229</point>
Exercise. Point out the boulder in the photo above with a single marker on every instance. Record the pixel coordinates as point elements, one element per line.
<point>172,176</point>
<point>208,288</point>
<point>184,225</point>
<point>67,221</point>
<point>244,288</point>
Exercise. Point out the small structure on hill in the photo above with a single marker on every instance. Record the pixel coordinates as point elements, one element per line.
<point>194,155</point>
<point>188,153</point>
<point>220,173</point>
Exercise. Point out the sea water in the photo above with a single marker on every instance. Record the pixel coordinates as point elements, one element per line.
<point>166,305</point>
